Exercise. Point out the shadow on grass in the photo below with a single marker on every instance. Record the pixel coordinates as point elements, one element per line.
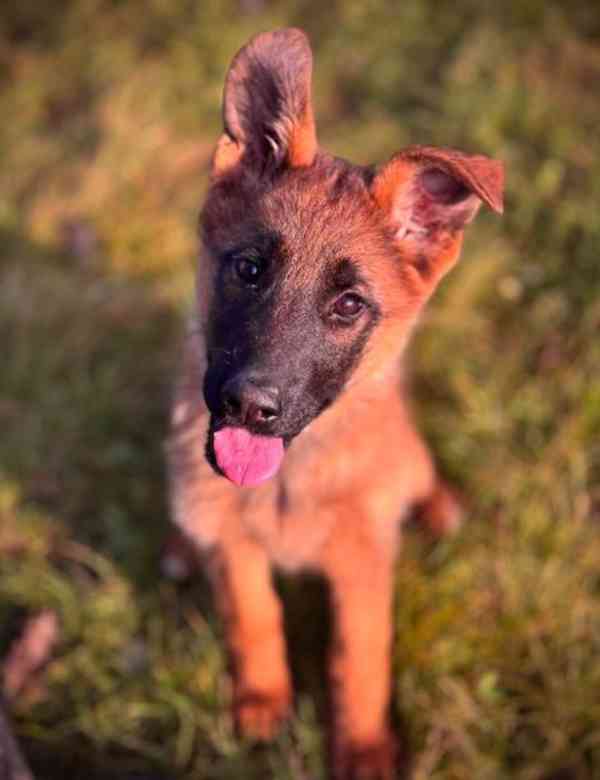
<point>85,388</point>
<point>84,396</point>
<point>76,763</point>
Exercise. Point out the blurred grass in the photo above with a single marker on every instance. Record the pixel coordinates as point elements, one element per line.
<point>110,110</point>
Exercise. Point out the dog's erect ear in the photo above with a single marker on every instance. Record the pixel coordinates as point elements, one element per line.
<point>267,106</point>
<point>429,195</point>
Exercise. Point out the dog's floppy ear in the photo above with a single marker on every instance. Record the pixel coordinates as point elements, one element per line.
<point>429,195</point>
<point>267,106</point>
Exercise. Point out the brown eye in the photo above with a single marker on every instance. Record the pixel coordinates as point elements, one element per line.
<point>248,270</point>
<point>348,306</point>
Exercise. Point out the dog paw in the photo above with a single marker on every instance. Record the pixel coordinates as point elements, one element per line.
<point>259,715</point>
<point>372,761</point>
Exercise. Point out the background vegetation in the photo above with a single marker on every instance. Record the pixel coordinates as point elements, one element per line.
<point>109,110</point>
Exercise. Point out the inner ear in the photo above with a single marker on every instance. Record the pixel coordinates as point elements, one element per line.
<point>427,193</point>
<point>267,104</point>
<point>443,188</point>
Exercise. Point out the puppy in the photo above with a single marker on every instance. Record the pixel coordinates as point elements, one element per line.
<point>291,445</point>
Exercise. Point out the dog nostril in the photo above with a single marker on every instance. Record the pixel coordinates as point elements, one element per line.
<point>251,402</point>
<point>265,413</point>
<point>259,408</point>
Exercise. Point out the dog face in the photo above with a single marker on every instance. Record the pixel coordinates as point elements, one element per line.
<point>312,269</point>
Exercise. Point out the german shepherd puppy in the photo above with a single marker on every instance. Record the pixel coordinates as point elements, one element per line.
<point>291,445</point>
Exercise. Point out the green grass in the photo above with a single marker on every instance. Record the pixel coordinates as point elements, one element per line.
<point>110,110</point>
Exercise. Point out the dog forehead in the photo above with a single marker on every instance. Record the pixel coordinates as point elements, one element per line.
<point>321,219</point>
<point>307,221</point>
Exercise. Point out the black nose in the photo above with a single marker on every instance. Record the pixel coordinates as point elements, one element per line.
<point>250,400</point>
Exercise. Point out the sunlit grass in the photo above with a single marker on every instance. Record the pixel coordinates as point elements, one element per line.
<point>110,113</point>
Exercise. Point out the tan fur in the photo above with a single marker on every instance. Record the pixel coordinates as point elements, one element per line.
<point>303,141</point>
<point>348,480</point>
<point>226,156</point>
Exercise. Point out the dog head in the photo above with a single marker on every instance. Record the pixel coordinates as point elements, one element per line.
<point>312,269</point>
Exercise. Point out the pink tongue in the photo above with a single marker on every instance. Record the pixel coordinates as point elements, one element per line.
<point>245,458</point>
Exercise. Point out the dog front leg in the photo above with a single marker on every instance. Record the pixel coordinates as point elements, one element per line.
<point>362,745</point>
<point>252,616</point>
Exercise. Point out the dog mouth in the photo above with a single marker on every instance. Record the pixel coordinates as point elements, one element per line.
<point>245,458</point>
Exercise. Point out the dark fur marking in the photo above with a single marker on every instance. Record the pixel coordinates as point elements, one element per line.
<point>342,276</point>
<point>329,384</point>
<point>284,335</point>
<point>263,245</point>
<point>422,264</point>
<point>349,179</point>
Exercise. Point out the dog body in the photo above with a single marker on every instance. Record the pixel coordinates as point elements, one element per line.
<point>366,440</point>
<point>312,273</point>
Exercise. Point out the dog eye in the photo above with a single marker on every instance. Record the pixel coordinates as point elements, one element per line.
<point>248,270</point>
<point>348,306</point>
